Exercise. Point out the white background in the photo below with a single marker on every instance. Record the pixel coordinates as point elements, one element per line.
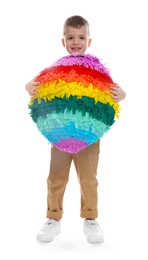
<point>30,40</point>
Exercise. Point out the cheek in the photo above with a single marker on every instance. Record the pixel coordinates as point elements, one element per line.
<point>68,44</point>
<point>85,44</point>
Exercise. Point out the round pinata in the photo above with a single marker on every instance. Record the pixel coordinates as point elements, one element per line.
<point>73,107</point>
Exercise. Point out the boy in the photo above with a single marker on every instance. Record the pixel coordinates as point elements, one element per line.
<point>76,39</point>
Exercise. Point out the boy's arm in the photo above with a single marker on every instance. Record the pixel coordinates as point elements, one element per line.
<point>32,87</point>
<point>117,92</point>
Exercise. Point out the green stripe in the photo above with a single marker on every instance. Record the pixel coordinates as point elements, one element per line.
<point>101,112</point>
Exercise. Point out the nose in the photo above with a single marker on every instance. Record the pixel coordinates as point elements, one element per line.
<point>76,41</point>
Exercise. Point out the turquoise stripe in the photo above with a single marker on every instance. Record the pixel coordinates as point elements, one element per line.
<point>84,122</point>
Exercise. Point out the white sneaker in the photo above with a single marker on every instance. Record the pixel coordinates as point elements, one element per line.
<point>50,229</point>
<point>93,231</point>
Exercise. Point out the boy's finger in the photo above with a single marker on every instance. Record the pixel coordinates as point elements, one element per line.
<point>113,91</point>
<point>113,88</point>
<point>35,83</point>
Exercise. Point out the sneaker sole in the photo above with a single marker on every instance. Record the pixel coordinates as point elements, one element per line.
<point>92,240</point>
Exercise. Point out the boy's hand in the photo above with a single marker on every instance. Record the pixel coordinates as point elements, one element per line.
<point>32,87</point>
<point>117,93</point>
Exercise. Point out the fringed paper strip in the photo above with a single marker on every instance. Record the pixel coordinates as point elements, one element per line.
<point>73,107</point>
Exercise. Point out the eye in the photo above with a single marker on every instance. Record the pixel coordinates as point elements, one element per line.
<point>82,37</point>
<point>69,38</point>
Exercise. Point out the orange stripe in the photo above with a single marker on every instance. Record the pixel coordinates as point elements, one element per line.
<point>78,74</point>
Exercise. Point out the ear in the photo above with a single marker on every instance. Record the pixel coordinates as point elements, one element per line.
<point>89,42</point>
<point>63,42</point>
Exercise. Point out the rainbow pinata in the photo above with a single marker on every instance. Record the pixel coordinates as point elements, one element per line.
<point>73,107</point>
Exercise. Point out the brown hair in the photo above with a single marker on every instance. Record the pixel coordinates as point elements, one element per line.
<point>75,21</point>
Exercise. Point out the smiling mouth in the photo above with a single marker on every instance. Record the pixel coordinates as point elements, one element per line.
<point>76,49</point>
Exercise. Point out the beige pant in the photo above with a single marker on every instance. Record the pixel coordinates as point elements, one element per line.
<point>86,162</point>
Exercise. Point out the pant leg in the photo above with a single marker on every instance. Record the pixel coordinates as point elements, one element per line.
<point>86,163</point>
<point>58,177</point>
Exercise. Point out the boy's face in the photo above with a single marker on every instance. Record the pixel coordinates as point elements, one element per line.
<point>76,40</point>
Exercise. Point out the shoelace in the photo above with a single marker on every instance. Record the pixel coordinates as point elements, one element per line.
<point>92,225</point>
<point>49,224</point>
